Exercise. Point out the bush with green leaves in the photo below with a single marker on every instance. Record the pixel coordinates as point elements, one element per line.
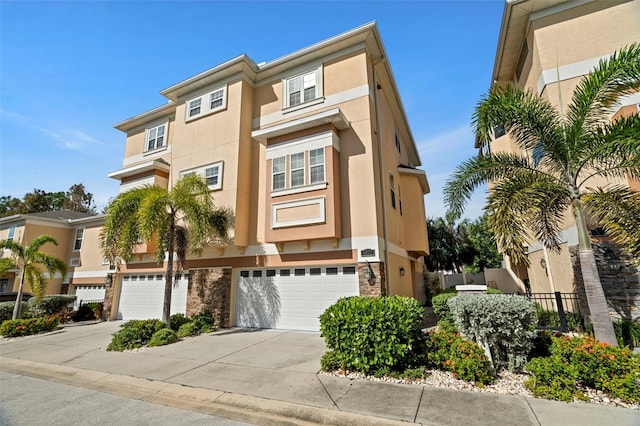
<point>166,336</point>
<point>367,334</point>
<point>50,305</point>
<point>188,329</point>
<point>464,359</point>
<point>6,310</point>
<point>27,327</point>
<point>204,321</point>
<point>441,309</point>
<point>176,320</point>
<point>627,333</point>
<point>506,323</point>
<point>134,334</point>
<point>585,361</point>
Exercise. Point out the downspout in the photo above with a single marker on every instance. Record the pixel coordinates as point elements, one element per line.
<point>381,173</point>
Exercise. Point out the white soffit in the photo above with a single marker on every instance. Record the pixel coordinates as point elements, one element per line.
<point>333,116</point>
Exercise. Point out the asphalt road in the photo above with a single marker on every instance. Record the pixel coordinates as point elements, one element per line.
<point>30,401</point>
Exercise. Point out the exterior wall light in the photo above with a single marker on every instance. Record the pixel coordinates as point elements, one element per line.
<point>402,271</point>
<point>108,279</point>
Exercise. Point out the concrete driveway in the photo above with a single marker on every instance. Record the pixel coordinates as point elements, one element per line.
<point>279,364</point>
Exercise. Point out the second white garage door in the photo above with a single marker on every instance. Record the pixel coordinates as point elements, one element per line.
<point>291,298</point>
<point>142,296</point>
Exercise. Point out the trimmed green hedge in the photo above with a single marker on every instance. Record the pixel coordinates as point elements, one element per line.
<point>166,336</point>
<point>50,305</point>
<point>505,322</point>
<point>6,310</point>
<point>368,334</point>
<point>27,327</point>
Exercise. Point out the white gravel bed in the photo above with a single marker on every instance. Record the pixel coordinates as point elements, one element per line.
<point>507,383</point>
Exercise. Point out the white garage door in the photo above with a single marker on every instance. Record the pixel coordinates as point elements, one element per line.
<point>142,296</point>
<point>88,293</point>
<point>291,298</point>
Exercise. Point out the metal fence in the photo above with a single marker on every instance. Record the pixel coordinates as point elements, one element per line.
<point>565,304</point>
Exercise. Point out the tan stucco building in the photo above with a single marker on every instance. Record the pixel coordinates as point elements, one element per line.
<point>77,235</point>
<point>314,154</point>
<point>547,46</point>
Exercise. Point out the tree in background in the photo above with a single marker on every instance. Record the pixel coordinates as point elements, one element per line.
<point>562,150</point>
<point>467,245</point>
<point>177,220</point>
<point>76,199</point>
<point>29,259</point>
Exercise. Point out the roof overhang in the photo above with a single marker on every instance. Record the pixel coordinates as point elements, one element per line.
<point>420,174</point>
<point>137,169</point>
<point>333,116</point>
<point>145,117</point>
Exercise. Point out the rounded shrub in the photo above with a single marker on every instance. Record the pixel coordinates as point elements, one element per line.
<point>367,334</point>
<point>27,327</point>
<point>441,309</point>
<point>134,334</point>
<point>188,329</point>
<point>166,336</point>
<point>204,321</point>
<point>6,310</point>
<point>50,305</point>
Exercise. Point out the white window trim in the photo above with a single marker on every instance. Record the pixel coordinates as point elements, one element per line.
<point>11,234</point>
<point>164,141</point>
<point>324,167</point>
<point>284,172</point>
<point>299,203</point>
<point>74,262</point>
<point>304,168</point>
<point>75,239</point>
<point>200,170</point>
<point>205,104</point>
<point>319,98</point>
<point>299,189</point>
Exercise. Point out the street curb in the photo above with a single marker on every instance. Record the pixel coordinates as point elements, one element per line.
<point>207,401</point>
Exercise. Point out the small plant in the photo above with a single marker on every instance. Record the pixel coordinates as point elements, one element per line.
<point>166,336</point>
<point>367,334</point>
<point>440,308</point>
<point>176,320</point>
<point>464,359</point>
<point>550,318</point>
<point>27,327</point>
<point>134,334</point>
<point>627,333</point>
<point>204,321</point>
<point>188,329</point>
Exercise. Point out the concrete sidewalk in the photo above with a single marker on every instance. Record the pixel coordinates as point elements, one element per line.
<point>270,377</point>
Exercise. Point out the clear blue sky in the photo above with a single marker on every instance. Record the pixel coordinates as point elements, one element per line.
<point>70,70</point>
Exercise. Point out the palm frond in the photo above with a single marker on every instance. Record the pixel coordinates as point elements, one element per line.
<point>481,170</point>
<point>7,264</point>
<point>598,91</point>
<point>617,209</point>
<point>120,233</point>
<point>36,280</point>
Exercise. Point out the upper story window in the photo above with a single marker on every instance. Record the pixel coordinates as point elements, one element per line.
<point>392,187</point>
<point>211,172</point>
<point>155,137</point>
<point>316,165</point>
<point>206,103</point>
<point>302,88</point>
<point>398,146</point>
<point>12,233</point>
<point>77,245</point>
<point>304,168</point>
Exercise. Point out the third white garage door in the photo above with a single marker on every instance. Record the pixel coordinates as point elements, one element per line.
<point>290,298</point>
<point>142,296</point>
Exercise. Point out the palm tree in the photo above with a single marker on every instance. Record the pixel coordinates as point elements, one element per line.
<point>562,152</point>
<point>177,220</point>
<point>29,259</point>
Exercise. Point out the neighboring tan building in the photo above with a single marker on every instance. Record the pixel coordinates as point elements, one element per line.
<point>314,154</point>
<point>77,235</point>
<point>547,46</point>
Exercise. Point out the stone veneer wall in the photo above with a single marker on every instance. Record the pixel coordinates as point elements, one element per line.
<point>108,298</point>
<point>376,287</point>
<point>210,290</point>
<point>620,280</point>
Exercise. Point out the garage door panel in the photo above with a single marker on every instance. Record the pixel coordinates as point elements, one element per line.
<point>144,299</point>
<point>289,302</point>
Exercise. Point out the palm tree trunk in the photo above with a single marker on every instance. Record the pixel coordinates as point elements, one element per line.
<point>168,284</point>
<point>17,309</point>
<point>599,311</point>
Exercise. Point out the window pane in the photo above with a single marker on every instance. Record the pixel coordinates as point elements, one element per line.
<point>332,271</point>
<point>152,133</point>
<point>278,165</point>
<point>159,141</point>
<point>314,271</point>
<point>317,174</point>
<point>349,270</point>
<point>294,98</point>
<point>316,156</point>
<point>194,107</point>
<point>299,272</point>
<point>309,93</point>
<point>297,161</point>
<point>297,177</point>
<point>295,84</point>
<point>310,80</point>
<point>278,181</point>
<point>285,272</point>
<point>216,99</point>
<point>211,175</point>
